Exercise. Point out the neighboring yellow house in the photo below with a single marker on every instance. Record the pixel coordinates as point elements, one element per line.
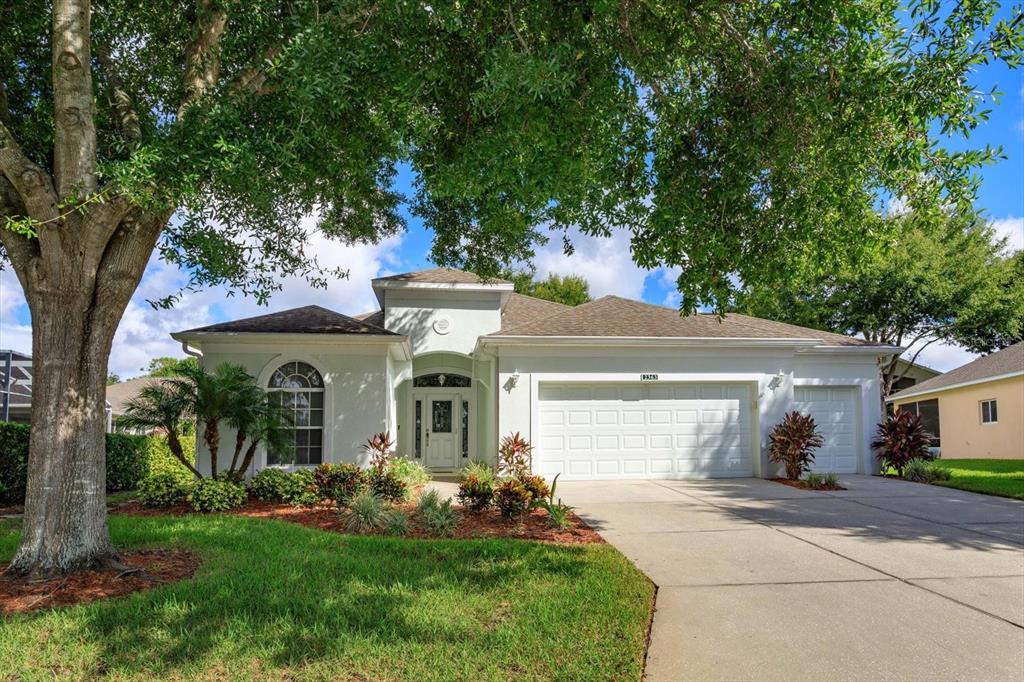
<point>975,411</point>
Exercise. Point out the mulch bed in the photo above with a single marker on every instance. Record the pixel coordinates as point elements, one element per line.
<point>18,595</point>
<point>487,524</point>
<point>803,485</point>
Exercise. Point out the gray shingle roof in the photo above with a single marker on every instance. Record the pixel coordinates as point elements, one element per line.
<point>613,316</point>
<point>521,309</point>
<point>1006,361</point>
<point>310,319</point>
<point>440,276</point>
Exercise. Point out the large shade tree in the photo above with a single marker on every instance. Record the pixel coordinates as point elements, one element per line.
<point>725,136</point>
<point>922,280</point>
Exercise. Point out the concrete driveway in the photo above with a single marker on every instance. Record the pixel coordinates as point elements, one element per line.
<point>758,581</point>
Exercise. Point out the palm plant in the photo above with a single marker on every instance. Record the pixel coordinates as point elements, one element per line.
<point>272,426</point>
<point>213,397</point>
<point>165,407</point>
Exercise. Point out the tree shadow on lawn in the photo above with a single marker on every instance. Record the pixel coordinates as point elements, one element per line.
<point>271,594</point>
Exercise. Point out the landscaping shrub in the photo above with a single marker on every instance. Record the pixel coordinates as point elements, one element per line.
<point>831,480</point>
<point>475,493</point>
<point>365,513</point>
<point>441,520</point>
<point>792,443</point>
<point>216,494</point>
<point>924,471</point>
<point>130,459</point>
<point>164,489</point>
<point>127,460</point>
<point>514,456</point>
<point>900,439</point>
<point>428,500</point>
<point>275,485</point>
<point>512,498</point>
<point>13,462</point>
<point>480,469</point>
<point>395,522</point>
<point>381,449</point>
<point>304,493</point>
<point>412,473</point>
<point>338,482</point>
<point>537,486</point>
<point>160,457</point>
<point>558,512</point>
<point>386,485</point>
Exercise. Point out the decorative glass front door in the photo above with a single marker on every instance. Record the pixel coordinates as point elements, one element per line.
<point>440,432</point>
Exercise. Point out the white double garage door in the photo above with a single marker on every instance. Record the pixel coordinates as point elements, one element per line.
<point>678,430</point>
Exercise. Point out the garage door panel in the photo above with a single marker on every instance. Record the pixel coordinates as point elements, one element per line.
<point>834,409</point>
<point>662,431</point>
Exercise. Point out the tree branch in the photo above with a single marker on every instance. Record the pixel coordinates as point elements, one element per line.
<point>125,114</point>
<point>29,179</point>
<point>74,144</point>
<point>202,63</point>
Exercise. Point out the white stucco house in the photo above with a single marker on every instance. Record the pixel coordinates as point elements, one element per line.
<point>610,389</point>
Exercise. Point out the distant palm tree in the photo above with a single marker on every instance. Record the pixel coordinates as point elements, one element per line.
<point>162,406</point>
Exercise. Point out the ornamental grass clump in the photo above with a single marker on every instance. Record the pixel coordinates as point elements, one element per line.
<point>792,443</point>
<point>365,513</point>
<point>901,439</point>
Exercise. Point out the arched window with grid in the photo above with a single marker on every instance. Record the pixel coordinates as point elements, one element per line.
<point>300,388</point>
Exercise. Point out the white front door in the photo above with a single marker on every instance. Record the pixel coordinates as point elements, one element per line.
<point>440,430</point>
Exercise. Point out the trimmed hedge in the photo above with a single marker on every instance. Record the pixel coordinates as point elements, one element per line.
<point>129,460</point>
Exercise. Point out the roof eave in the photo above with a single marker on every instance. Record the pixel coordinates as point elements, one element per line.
<point>674,341</point>
<point>914,391</point>
<point>303,337</point>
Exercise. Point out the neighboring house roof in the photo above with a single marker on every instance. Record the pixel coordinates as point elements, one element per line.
<point>310,319</point>
<point>915,367</point>
<point>441,276</point>
<point>1003,364</point>
<point>522,309</point>
<point>375,318</point>
<point>120,393</point>
<point>612,316</point>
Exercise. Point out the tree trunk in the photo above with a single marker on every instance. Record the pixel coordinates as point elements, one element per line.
<point>65,525</point>
<point>211,434</point>
<point>174,445</point>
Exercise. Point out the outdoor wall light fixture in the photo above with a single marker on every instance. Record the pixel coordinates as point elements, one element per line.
<point>776,381</point>
<point>512,381</point>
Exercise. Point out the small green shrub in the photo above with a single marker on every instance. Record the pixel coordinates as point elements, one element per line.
<point>386,485</point>
<point>164,489</point>
<point>160,457</point>
<point>901,438</point>
<point>558,512</point>
<point>428,501</point>
<point>365,513</point>
<point>924,471</point>
<point>792,443</point>
<point>482,470</point>
<point>304,493</point>
<point>338,482</point>
<point>412,473</point>
<point>512,498</point>
<point>441,520</point>
<point>831,480</point>
<point>395,522</point>
<point>815,480</point>
<point>275,485</point>
<point>216,494</point>
<point>537,486</point>
<point>13,462</point>
<point>475,494</point>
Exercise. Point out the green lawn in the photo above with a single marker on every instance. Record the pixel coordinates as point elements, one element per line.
<point>277,600</point>
<point>1004,477</point>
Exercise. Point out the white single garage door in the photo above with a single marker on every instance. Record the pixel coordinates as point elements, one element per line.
<point>645,430</point>
<point>835,411</point>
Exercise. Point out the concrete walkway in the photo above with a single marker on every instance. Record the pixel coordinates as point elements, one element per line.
<point>887,580</point>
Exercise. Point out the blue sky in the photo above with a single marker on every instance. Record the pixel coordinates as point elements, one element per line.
<point>606,263</point>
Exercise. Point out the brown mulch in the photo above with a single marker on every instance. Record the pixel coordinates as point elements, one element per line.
<point>803,485</point>
<point>487,524</point>
<point>159,567</point>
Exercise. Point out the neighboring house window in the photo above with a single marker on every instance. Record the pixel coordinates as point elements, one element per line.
<point>441,380</point>
<point>988,412</point>
<point>928,411</point>
<point>300,389</point>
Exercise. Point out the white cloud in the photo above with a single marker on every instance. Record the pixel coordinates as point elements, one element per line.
<point>941,356</point>
<point>1013,229</point>
<point>605,262</point>
<point>144,332</point>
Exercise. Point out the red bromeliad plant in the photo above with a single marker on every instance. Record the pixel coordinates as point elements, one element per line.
<point>381,449</point>
<point>792,443</point>
<point>515,456</point>
<point>901,439</point>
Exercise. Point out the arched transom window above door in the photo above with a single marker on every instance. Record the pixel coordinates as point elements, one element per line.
<point>442,380</point>
<point>300,389</point>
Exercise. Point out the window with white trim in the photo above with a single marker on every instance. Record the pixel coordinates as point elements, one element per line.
<point>989,414</point>
<point>300,389</point>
